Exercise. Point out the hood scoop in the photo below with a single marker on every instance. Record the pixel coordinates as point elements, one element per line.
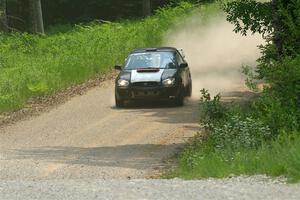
<point>146,75</point>
<point>145,70</point>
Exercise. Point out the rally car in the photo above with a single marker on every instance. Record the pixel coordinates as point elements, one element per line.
<point>154,74</point>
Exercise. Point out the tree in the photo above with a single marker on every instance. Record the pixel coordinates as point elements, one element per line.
<point>147,8</point>
<point>278,21</point>
<point>3,17</point>
<point>36,16</point>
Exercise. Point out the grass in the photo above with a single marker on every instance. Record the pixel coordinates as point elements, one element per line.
<point>238,143</point>
<point>37,65</point>
<point>280,158</point>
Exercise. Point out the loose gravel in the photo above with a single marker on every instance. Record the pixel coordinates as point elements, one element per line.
<point>235,189</point>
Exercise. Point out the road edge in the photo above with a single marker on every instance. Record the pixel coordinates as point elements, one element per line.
<point>39,105</point>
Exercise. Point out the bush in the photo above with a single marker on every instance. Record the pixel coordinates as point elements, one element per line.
<point>238,143</point>
<point>279,105</point>
<point>228,128</point>
<point>239,132</point>
<point>212,110</point>
<point>272,111</point>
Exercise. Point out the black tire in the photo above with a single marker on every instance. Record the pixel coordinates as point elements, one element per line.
<point>179,101</point>
<point>119,103</point>
<point>189,90</point>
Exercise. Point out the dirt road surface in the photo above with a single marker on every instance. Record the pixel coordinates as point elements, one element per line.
<point>88,149</point>
<point>89,138</point>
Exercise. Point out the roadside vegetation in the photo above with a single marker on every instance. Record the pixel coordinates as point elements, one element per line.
<point>35,65</point>
<point>262,137</point>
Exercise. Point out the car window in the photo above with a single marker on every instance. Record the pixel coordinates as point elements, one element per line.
<point>162,60</point>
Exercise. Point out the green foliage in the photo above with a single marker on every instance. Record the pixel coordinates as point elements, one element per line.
<point>278,21</point>
<point>251,78</point>
<point>278,106</point>
<point>228,128</point>
<point>34,65</point>
<point>271,110</point>
<point>280,158</point>
<point>240,143</point>
<point>238,132</point>
<point>250,15</point>
<point>212,109</point>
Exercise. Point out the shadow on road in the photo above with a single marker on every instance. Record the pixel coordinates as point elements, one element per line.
<point>164,111</point>
<point>139,156</point>
<point>149,104</point>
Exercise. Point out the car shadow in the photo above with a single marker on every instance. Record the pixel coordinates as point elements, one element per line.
<point>165,111</point>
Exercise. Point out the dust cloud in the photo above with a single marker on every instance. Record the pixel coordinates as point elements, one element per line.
<point>215,53</point>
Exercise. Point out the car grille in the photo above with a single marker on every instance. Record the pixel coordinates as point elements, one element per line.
<point>146,84</point>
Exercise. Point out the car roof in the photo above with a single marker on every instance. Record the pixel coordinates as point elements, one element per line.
<point>159,49</point>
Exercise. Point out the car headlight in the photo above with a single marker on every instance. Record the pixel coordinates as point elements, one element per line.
<point>123,83</point>
<point>169,82</point>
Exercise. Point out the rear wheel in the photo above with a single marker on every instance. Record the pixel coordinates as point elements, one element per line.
<point>119,102</point>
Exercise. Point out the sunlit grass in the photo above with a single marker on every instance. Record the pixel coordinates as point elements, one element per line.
<point>280,158</point>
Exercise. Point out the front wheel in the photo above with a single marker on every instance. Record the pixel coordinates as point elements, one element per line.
<point>179,101</point>
<point>189,90</point>
<point>119,102</point>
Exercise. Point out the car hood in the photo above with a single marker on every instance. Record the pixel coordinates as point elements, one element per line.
<point>155,76</point>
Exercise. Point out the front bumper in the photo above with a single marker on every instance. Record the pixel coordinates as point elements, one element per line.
<point>158,92</point>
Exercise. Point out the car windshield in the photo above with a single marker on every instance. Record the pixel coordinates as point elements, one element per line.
<point>162,60</point>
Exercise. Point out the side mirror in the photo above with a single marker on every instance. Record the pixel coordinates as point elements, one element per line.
<point>183,65</point>
<point>118,67</point>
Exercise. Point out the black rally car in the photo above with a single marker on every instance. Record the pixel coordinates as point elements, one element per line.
<point>154,73</point>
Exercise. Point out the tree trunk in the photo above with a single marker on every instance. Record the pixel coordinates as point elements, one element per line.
<point>3,17</point>
<point>147,10</point>
<point>277,28</point>
<point>36,16</point>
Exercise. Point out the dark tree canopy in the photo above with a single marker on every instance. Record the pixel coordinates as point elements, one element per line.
<point>81,11</point>
<point>77,11</point>
<point>3,16</point>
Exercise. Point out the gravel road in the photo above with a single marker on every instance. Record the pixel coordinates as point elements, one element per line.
<point>237,188</point>
<point>88,149</point>
<point>89,138</point>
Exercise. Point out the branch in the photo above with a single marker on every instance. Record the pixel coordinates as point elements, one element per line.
<point>249,15</point>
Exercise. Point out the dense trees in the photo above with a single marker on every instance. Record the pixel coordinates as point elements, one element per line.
<point>26,15</point>
<point>3,17</point>
<point>146,7</point>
